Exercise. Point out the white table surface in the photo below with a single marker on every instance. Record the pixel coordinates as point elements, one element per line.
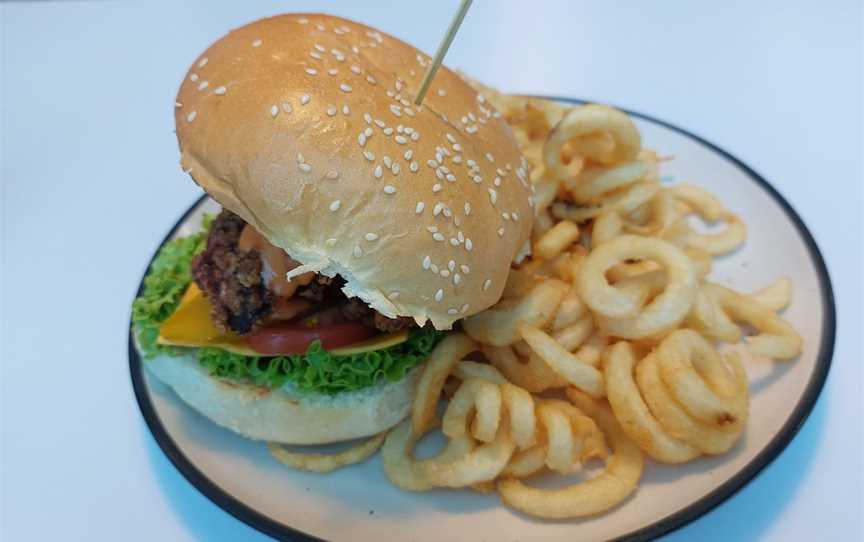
<point>90,183</point>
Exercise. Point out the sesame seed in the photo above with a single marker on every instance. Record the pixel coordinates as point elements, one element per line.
<point>457,159</point>
<point>320,27</point>
<point>191,116</point>
<point>465,269</point>
<point>414,166</point>
<point>204,85</point>
<point>487,284</point>
<point>368,118</point>
<point>300,158</point>
<point>332,175</point>
<point>388,162</point>
<point>427,261</point>
<point>419,207</point>
<point>454,241</point>
<point>433,268</point>
<point>311,71</point>
<point>220,90</point>
<point>464,308</point>
<point>452,311</point>
<point>346,110</point>
<point>514,216</point>
<point>460,236</point>
<point>444,273</point>
<point>380,123</point>
<point>305,167</point>
<point>394,295</point>
<point>396,110</point>
<point>447,212</point>
<point>477,179</point>
<point>431,229</point>
<point>439,173</point>
<point>401,139</point>
<point>457,147</point>
<point>450,138</point>
<point>304,99</point>
<point>378,172</point>
<point>500,232</point>
<point>408,154</point>
<point>257,43</point>
<point>457,278</point>
<point>335,205</point>
<point>368,131</point>
<point>501,173</point>
<point>344,87</point>
<point>274,110</point>
<point>371,237</point>
<point>451,177</point>
<point>439,295</point>
<point>438,237</point>
<point>203,62</point>
<point>357,251</point>
<point>404,102</point>
<point>387,131</point>
<point>439,157</point>
<point>438,208</point>
<point>361,137</point>
<point>389,189</point>
<point>315,55</point>
<point>468,245</point>
<point>415,136</point>
<point>442,92</point>
<point>369,156</point>
<point>331,111</point>
<point>505,215</point>
<point>432,163</point>
<point>395,169</point>
<point>467,208</point>
<point>437,187</point>
<point>471,163</point>
<point>355,69</point>
<point>409,130</point>
<point>193,77</point>
<point>371,80</point>
<point>409,111</point>
<point>319,47</point>
<point>497,181</point>
<point>493,196</point>
<point>333,71</point>
<point>490,157</point>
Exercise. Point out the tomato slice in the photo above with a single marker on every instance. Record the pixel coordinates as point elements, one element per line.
<point>295,338</point>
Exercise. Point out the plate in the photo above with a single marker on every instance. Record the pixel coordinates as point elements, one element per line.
<point>359,503</point>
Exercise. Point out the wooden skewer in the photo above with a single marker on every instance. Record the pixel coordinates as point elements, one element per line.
<point>442,50</point>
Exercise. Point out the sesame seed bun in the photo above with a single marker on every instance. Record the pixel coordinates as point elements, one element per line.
<point>304,125</point>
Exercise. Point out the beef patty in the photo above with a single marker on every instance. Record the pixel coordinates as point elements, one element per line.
<point>233,283</point>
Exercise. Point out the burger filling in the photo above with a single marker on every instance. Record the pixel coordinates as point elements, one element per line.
<point>244,278</point>
<point>220,295</point>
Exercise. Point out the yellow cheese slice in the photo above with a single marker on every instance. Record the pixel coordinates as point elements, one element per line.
<point>190,325</point>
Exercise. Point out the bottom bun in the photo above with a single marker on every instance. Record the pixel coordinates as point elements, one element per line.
<point>283,415</point>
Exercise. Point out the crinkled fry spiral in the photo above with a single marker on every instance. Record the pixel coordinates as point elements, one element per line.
<point>586,122</point>
<point>594,496</point>
<point>623,314</point>
<point>776,339</point>
<point>487,419</point>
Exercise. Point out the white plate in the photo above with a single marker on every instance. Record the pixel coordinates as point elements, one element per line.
<point>359,503</point>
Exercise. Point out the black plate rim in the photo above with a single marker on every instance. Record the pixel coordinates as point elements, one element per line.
<point>672,522</point>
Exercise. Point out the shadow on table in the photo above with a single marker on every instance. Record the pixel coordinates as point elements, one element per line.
<point>203,519</point>
<point>748,514</point>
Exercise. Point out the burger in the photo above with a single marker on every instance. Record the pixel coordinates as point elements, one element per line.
<point>356,228</point>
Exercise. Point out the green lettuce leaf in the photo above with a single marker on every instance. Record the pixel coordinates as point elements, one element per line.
<point>316,371</point>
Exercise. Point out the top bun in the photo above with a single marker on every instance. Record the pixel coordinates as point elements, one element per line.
<point>305,126</point>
